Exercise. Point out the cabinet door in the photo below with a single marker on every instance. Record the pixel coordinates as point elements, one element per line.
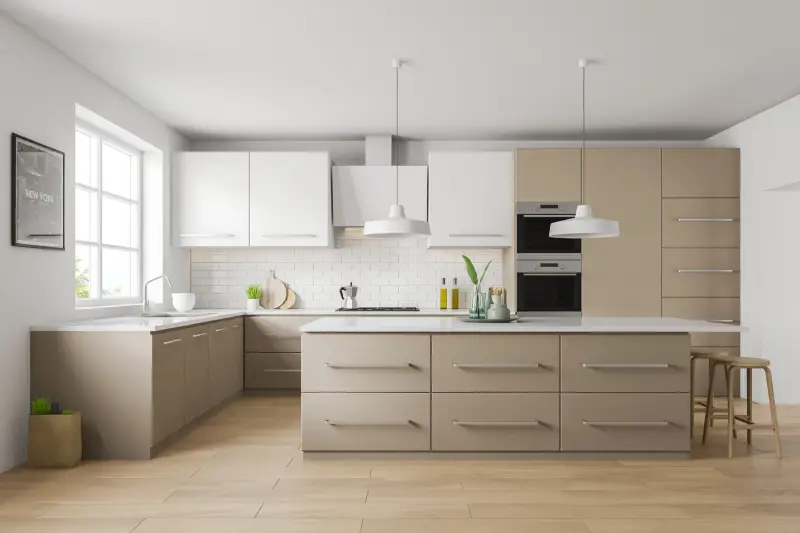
<point>622,276</point>
<point>471,199</point>
<point>548,175</point>
<point>210,199</point>
<point>168,385</point>
<point>236,334</point>
<point>290,199</point>
<point>198,382</point>
<point>220,361</point>
<point>700,172</point>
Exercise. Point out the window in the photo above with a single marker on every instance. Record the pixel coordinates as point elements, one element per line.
<point>108,226</point>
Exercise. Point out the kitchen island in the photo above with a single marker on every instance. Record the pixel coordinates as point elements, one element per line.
<point>540,386</point>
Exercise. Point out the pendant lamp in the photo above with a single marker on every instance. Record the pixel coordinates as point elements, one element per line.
<point>396,225</point>
<point>584,225</point>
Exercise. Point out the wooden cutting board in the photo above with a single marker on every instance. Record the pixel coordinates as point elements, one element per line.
<point>275,292</point>
<point>291,299</point>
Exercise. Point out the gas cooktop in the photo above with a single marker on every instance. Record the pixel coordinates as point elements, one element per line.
<point>380,309</point>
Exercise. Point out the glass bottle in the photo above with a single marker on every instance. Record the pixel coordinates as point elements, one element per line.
<point>477,304</point>
<point>443,294</point>
<point>454,295</point>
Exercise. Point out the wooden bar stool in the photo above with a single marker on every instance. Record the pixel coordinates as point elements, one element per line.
<point>699,406</point>
<point>732,365</point>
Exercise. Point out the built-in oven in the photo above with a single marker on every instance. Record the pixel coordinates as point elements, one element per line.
<point>549,287</point>
<point>533,230</point>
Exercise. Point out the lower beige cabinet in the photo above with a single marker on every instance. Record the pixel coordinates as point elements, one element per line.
<point>169,362</point>
<point>272,371</point>
<point>495,422</point>
<point>366,421</point>
<point>225,359</point>
<point>198,372</point>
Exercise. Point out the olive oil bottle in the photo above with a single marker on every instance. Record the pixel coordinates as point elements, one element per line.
<point>443,294</point>
<point>454,294</point>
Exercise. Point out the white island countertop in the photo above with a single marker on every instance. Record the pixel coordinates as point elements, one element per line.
<point>524,325</point>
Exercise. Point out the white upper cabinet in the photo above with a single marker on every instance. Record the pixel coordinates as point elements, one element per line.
<point>366,192</point>
<point>290,199</point>
<point>471,199</point>
<point>210,199</point>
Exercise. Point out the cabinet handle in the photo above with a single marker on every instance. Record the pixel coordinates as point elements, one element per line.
<point>479,424</point>
<point>281,370</point>
<point>235,326</point>
<point>627,365</point>
<point>373,424</point>
<point>286,235</point>
<point>335,366</point>
<point>708,219</point>
<point>173,341</point>
<point>655,424</point>
<point>496,367</point>
<point>476,235</point>
<point>208,235</point>
<point>220,329</point>
<point>723,320</point>
<point>706,271</point>
<point>200,334</point>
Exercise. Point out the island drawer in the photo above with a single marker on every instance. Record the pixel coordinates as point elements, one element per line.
<point>625,422</point>
<point>274,334</point>
<point>495,422</point>
<point>495,363</point>
<point>700,223</point>
<point>625,363</point>
<point>366,363</point>
<point>271,370</point>
<point>692,272</point>
<point>713,309</point>
<point>366,422</point>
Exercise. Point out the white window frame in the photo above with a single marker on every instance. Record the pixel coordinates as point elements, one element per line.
<point>103,137</point>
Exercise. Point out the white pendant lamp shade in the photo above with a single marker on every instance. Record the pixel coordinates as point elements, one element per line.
<point>396,226</point>
<point>584,226</point>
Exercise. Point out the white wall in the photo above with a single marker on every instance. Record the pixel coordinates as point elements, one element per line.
<point>770,249</point>
<point>38,94</point>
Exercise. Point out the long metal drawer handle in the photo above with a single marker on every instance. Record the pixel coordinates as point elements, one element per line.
<point>550,273</point>
<point>626,365</point>
<point>723,320</point>
<point>708,219</point>
<point>208,235</point>
<point>200,334</point>
<point>476,235</point>
<point>368,424</point>
<point>496,367</point>
<point>173,341</point>
<point>660,423</point>
<point>236,326</point>
<point>527,423</point>
<point>220,329</point>
<point>286,235</point>
<point>706,271</point>
<point>281,370</point>
<point>334,366</point>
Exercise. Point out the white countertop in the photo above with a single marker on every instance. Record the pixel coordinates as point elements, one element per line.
<point>200,316</point>
<point>524,325</point>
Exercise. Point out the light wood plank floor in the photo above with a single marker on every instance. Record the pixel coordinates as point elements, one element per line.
<point>241,472</point>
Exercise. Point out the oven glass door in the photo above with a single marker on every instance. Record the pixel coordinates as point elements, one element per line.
<point>533,236</point>
<point>548,293</point>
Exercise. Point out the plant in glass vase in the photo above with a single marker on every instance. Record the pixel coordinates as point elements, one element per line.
<point>477,304</point>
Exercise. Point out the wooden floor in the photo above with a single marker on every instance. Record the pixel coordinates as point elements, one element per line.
<point>241,471</point>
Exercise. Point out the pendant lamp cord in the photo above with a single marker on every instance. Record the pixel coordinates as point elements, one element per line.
<point>396,131</point>
<point>583,134</point>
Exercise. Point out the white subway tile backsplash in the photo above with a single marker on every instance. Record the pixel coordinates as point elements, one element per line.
<point>387,272</point>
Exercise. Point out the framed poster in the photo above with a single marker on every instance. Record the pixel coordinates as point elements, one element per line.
<point>37,199</point>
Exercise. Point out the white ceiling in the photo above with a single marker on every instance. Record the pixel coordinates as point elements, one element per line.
<point>479,69</point>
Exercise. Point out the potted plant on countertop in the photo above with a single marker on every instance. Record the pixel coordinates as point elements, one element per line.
<point>477,303</point>
<point>54,436</point>
<point>253,297</point>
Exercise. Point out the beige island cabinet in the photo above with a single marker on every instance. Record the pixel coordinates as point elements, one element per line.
<point>441,385</point>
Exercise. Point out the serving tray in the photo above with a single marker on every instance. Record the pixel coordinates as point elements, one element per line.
<point>490,320</point>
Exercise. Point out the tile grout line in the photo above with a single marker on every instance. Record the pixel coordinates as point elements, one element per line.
<point>137,525</point>
<point>259,509</point>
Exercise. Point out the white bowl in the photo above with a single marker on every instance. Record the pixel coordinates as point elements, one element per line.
<point>183,301</point>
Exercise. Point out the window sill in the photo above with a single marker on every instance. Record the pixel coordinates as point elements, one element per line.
<point>111,307</point>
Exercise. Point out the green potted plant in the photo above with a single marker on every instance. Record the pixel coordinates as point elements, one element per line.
<point>477,304</point>
<point>253,297</point>
<point>54,436</point>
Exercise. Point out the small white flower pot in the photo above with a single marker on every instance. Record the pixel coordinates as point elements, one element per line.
<point>252,304</point>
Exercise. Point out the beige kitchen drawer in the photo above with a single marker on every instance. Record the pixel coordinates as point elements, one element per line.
<point>701,373</point>
<point>365,422</point>
<point>272,371</point>
<point>698,272</point>
<point>625,363</point>
<point>604,422</point>
<point>700,172</point>
<point>713,309</point>
<point>700,223</point>
<point>495,363</point>
<point>274,334</point>
<point>337,362</point>
<point>495,422</point>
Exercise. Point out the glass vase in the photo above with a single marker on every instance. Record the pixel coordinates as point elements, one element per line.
<point>477,304</point>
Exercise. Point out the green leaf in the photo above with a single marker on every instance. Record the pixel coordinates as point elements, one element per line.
<point>253,292</point>
<point>484,272</point>
<point>473,275</point>
<point>41,406</point>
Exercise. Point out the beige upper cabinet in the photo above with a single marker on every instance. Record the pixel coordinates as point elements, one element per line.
<point>548,175</point>
<point>622,276</point>
<point>700,173</point>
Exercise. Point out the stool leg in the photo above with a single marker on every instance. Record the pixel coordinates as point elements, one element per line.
<point>709,399</point>
<point>729,371</point>
<point>749,404</point>
<point>692,361</point>
<point>773,411</point>
<point>728,383</point>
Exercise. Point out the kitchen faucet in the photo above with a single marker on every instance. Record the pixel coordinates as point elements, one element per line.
<point>145,309</point>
